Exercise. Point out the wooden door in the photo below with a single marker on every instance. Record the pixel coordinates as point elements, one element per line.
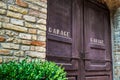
<point>78,37</point>
<point>60,36</point>
<point>97,48</point>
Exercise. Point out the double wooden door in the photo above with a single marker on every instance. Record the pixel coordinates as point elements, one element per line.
<point>78,37</point>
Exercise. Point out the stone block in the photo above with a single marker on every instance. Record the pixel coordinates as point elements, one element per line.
<point>2,39</point>
<point>42,4</point>
<point>41,49</point>
<point>42,33</point>
<point>7,59</point>
<point>9,1</point>
<point>2,32</point>
<point>41,21</point>
<point>34,13</point>
<point>0,25</point>
<point>43,15</point>
<point>32,6</point>
<point>21,3</point>
<point>42,38</point>
<point>3,5</point>
<point>26,42</point>
<point>1,60</point>
<point>9,39</point>
<point>18,9</point>
<point>14,27</point>
<point>44,1</point>
<point>29,18</point>
<point>43,10</point>
<point>10,45</point>
<point>19,53</point>
<point>5,52</point>
<point>14,15</point>
<point>34,37</point>
<point>24,48</point>
<point>29,25</point>
<point>32,31</point>
<point>32,48</point>
<point>35,54</point>
<point>38,2</point>
<point>17,22</point>
<point>37,43</point>
<point>4,19</point>
<point>24,36</point>
<point>11,33</point>
<point>2,11</point>
<point>41,27</point>
<point>17,40</point>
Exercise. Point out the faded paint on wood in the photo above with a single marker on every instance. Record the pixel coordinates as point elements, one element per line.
<point>78,37</point>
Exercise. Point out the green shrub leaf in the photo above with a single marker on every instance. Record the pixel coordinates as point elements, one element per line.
<point>34,70</point>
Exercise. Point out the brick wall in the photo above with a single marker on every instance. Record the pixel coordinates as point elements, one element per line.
<point>116,45</point>
<point>22,29</point>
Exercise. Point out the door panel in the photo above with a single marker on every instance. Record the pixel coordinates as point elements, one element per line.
<point>98,78</point>
<point>60,39</point>
<point>95,38</point>
<point>97,52</point>
<point>60,30</point>
<point>71,78</point>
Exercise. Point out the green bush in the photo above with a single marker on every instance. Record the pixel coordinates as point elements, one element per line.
<point>34,70</point>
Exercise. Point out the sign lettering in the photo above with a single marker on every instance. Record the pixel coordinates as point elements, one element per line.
<point>59,32</point>
<point>96,41</point>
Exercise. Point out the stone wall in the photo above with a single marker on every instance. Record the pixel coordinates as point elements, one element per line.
<point>116,45</point>
<point>22,29</point>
